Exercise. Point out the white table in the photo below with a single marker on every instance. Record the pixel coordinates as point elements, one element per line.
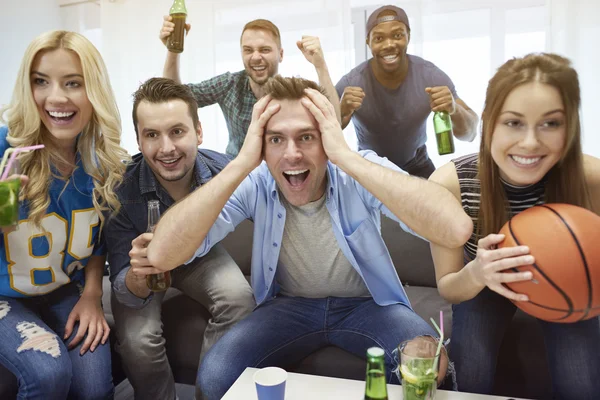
<point>303,387</point>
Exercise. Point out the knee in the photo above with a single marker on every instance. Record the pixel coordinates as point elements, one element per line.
<point>141,345</point>
<point>236,304</point>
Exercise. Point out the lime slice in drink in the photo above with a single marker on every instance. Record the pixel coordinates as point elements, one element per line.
<point>12,198</point>
<point>407,375</point>
<point>5,193</point>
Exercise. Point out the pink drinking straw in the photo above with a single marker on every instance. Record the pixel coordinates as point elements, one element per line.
<point>13,156</point>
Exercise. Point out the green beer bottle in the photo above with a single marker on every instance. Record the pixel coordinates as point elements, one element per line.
<point>179,14</point>
<point>444,136</point>
<point>376,388</point>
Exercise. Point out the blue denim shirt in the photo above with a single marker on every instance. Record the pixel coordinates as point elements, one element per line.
<point>355,216</point>
<point>140,186</point>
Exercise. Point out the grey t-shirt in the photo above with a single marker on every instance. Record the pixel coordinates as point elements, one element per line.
<point>392,123</point>
<point>311,263</point>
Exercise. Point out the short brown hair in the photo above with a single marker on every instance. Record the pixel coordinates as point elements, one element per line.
<point>161,90</point>
<point>263,25</point>
<point>292,88</point>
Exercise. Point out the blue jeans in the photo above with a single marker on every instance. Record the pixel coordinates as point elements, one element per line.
<point>285,330</point>
<point>478,328</point>
<point>32,348</point>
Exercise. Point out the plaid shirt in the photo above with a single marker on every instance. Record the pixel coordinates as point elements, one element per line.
<point>233,94</point>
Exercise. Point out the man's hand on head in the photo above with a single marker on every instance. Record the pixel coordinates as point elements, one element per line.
<point>320,107</point>
<point>251,152</point>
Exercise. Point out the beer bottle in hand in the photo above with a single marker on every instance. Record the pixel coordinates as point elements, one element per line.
<point>375,388</point>
<point>175,40</point>
<point>444,136</point>
<point>162,281</point>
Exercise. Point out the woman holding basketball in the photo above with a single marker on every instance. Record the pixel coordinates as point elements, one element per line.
<point>54,334</point>
<point>530,155</point>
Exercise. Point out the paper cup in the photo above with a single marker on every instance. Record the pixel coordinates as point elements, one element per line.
<point>270,383</point>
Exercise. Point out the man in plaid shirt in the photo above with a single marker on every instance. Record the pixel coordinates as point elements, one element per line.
<point>236,93</point>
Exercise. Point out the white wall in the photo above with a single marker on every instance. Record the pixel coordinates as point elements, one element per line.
<point>575,31</point>
<point>22,20</point>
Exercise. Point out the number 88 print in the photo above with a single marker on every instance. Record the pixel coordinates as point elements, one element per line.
<point>26,267</point>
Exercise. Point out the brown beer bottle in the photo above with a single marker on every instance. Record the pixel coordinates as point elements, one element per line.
<point>156,282</point>
<point>175,40</point>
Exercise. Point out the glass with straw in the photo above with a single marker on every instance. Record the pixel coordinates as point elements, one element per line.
<point>10,185</point>
<point>419,365</point>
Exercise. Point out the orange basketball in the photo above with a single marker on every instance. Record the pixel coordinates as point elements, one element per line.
<point>565,242</point>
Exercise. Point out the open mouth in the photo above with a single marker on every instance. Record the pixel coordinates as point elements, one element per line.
<point>169,162</point>
<point>526,161</point>
<point>296,178</point>
<point>258,68</point>
<point>61,117</point>
<point>391,58</point>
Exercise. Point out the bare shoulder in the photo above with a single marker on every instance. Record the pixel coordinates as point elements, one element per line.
<point>447,177</point>
<point>591,168</point>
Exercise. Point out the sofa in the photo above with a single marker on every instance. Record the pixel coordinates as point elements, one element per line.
<point>522,369</point>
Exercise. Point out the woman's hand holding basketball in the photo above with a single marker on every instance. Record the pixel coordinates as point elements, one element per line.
<point>489,267</point>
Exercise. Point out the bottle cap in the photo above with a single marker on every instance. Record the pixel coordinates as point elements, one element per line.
<point>375,352</point>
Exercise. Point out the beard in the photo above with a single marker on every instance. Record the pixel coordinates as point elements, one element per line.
<point>262,79</point>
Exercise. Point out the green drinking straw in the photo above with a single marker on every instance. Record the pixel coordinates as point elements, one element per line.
<point>441,333</point>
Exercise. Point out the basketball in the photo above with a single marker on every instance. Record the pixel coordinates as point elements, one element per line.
<point>565,242</point>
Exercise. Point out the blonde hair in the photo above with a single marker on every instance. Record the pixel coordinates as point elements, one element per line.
<point>98,145</point>
<point>566,180</point>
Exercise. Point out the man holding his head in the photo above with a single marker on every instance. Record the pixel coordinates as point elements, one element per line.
<point>390,96</point>
<point>236,93</point>
<point>169,167</point>
<point>321,272</point>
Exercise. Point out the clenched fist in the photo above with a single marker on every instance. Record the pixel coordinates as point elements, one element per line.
<point>310,46</point>
<point>351,101</point>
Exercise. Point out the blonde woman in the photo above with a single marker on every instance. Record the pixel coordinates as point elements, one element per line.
<point>530,154</point>
<point>54,334</point>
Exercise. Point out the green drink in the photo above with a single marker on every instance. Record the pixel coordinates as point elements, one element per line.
<point>419,378</point>
<point>9,202</point>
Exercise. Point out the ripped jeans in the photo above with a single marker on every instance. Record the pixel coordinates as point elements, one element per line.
<point>283,331</point>
<point>32,348</point>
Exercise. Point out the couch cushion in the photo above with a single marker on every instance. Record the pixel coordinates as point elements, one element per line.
<point>410,254</point>
<point>427,303</point>
<point>239,245</point>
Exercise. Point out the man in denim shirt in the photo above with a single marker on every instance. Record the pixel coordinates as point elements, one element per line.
<point>169,167</point>
<point>321,272</point>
